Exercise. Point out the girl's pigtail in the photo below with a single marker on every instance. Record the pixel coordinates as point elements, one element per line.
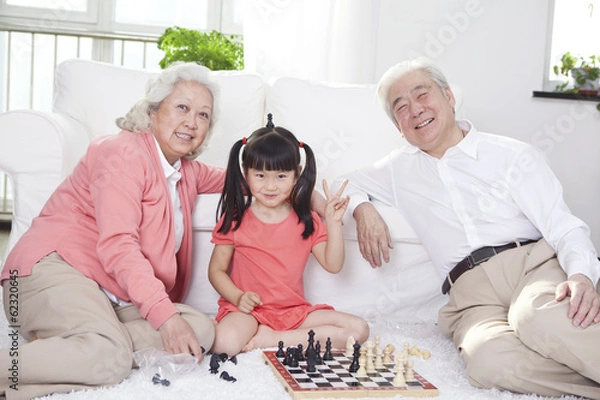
<point>302,193</point>
<point>233,201</point>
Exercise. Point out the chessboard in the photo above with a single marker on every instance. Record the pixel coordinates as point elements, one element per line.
<point>332,379</point>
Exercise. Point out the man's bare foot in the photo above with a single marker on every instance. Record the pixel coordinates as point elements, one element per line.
<point>264,337</point>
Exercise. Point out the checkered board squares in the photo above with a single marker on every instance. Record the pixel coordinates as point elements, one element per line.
<point>332,379</point>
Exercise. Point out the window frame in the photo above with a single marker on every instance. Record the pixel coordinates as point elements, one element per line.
<point>549,84</point>
<point>98,20</point>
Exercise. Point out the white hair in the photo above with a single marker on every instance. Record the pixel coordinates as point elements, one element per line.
<point>392,75</point>
<point>160,87</point>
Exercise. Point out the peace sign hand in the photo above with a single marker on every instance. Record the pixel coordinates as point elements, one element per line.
<point>335,205</point>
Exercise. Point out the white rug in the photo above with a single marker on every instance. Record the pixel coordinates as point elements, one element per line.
<point>256,381</point>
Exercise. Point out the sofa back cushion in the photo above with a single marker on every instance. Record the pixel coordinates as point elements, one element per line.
<point>95,94</point>
<point>342,123</point>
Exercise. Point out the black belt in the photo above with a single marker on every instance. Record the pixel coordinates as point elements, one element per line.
<point>474,259</point>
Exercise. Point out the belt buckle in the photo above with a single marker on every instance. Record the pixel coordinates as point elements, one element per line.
<point>481,255</point>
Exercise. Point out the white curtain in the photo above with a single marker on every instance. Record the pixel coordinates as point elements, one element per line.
<point>329,40</point>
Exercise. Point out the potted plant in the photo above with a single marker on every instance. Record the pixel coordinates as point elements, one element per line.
<point>584,73</point>
<point>211,49</point>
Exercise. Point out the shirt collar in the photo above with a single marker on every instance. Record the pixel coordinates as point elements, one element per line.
<point>467,145</point>
<point>168,169</point>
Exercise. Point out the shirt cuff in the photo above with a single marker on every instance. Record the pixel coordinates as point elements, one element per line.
<point>161,312</point>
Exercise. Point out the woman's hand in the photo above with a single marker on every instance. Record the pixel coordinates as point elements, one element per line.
<point>247,302</point>
<point>179,337</point>
<point>335,205</point>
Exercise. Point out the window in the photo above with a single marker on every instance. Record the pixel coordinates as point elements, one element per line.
<point>575,27</point>
<point>36,35</point>
<point>147,18</point>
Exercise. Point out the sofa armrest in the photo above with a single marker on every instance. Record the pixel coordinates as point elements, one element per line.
<point>37,151</point>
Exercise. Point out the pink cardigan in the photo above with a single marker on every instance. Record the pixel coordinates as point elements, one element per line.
<point>112,219</point>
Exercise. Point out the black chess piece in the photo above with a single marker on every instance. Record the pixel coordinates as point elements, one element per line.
<point>223,357</point>
<point>280,353</point>
<point>310,349</point>
<point>310,364</point>
<point>293,361</point>
<point>327,356</point>
<point>354,365</point>
<point>288,356</point>
<point>233,359</point>
<point>300,355</point>
<point>214,363</point>
<point>318,353</point>
<point>226,377</point>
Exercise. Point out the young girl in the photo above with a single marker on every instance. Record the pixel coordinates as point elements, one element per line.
<point>262,243</point>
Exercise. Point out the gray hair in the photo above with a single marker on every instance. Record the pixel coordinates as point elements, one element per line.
<point>160,87</point>
<point>398,71</point>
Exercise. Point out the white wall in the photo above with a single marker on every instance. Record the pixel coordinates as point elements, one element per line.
<point>495,51</point>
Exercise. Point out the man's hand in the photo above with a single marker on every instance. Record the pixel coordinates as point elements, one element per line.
<point>584,307</point>
<point>179,337</point>
<point>374,240</point>
<point>247,302</point>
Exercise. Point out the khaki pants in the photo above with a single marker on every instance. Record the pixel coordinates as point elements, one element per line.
<point>82,340</point>
<point>513,335</point>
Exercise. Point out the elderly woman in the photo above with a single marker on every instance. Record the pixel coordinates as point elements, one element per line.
<point>101,269</point>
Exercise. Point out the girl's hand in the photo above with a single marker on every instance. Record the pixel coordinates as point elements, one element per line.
<point>335,205</point>
<point>247,302</point>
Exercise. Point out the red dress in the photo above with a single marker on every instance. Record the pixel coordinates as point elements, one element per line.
<point>269,259</point>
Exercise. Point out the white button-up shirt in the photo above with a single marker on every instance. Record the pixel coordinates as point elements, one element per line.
<point>488,190</point>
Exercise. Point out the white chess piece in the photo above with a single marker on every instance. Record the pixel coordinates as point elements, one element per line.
<point>362,363</point>
<point>350,347</point>
<point>398,361</point>
<point>399,380</point>
<point>409,374</point>
<point>387,351</point>
<point>378,358</point>
<point>370,366</point>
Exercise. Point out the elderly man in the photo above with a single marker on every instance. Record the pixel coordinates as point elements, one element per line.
<point>523,308</point>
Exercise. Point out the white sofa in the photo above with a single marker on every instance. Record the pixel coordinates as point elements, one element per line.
<point>342,123</point>
<point>347,130</point>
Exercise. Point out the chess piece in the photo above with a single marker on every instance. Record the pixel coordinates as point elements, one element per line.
<point>362,363</point>
<point>310,349</point>
<point>280,353</point>
<point>288,356</point>
<point>370,365</point>
<point>310,364</point>
<point>399,380</point>
<point>226,377</point>
<point>398,361</point>
<point>350,346</point>
<point>409,373</point>
<point>355,356</point>
<point>414,351</point>
<point>214,364</point>
<point>293,361</point>
<point>318,353</point>
<point>327,356</point>
<point>378,358</point>
<point>387,351</point>
<point>426,354</point>
<point>299,353</point>
<point>405,351</point>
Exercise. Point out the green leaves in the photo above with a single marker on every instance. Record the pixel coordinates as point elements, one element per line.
<point>211,49</point>
<point>584,71</point>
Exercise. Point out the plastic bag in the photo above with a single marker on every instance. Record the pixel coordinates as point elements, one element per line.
<point>163,367</point>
